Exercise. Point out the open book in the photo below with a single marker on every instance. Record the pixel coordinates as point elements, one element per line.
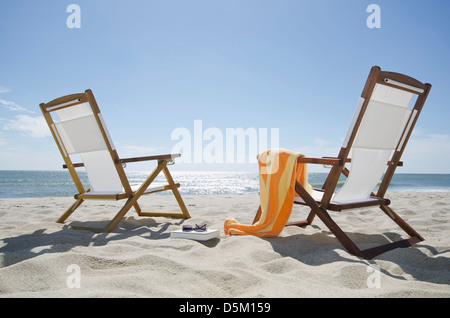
<point>193,235</point>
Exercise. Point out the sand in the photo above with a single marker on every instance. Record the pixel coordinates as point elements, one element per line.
<point>40,258</point>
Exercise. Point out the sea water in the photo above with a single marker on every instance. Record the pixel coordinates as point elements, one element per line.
<point>27,184</point>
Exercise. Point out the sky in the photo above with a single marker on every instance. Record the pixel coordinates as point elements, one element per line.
<point>176,75</point>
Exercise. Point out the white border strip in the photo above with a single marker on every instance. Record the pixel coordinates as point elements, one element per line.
<point>64,104</point>
<point>408,128</point>
<point>106,131</point>
<point>413,88</point>
<point>61,145</point>
<point>353,122</point>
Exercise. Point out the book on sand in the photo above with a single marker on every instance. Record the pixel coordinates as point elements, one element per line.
<point>193,235</point>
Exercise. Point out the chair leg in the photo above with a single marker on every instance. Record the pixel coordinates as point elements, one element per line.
<point>400,222</point>
<point>184,214</point>
<point>132,202</point>
<point>258,215</point>
<point>378,250</point>
<point>133,199</point>
<point>176,193</point>
<point>69,211</point>
<point>137,208</point>
<point>119,216</point>
<point>337,231</point>
<point>308,220</point>
<point>370,253</point>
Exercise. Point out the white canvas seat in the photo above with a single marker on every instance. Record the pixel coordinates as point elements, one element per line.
<point>318,195</point>
<point>79,129</point>
<point>114,194</point>
<point>381,128</point>
<point>379,131</point>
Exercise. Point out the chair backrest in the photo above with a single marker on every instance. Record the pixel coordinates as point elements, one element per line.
<point>383,121</point>
<point>78,128</point>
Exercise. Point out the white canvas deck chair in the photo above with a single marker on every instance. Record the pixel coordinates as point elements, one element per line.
<point>77,126</point>
<point>378,134</point>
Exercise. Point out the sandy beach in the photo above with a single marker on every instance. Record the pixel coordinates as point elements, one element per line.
<point>39,258</point>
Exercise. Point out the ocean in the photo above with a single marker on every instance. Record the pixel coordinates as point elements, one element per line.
<point>28,184</point>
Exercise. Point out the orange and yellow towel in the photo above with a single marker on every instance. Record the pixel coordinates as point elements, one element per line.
<point>278,171</point>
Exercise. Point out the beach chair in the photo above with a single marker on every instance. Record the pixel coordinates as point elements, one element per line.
<point>78,128</point>
<point>379,131</point>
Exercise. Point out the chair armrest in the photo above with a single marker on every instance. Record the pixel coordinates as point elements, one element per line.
<point>147,158</point>
<point>136,159</point>
<point>75,165</point>
<point>322,161</point>
<point>331,161</point>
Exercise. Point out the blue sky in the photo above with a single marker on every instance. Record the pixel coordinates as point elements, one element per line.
<point>158,65</point>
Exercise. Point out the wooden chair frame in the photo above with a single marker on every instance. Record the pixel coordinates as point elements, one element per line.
<point>320,208</point>
<point>131,196</point>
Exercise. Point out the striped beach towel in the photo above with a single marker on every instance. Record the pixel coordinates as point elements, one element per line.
<point>278,171</point>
